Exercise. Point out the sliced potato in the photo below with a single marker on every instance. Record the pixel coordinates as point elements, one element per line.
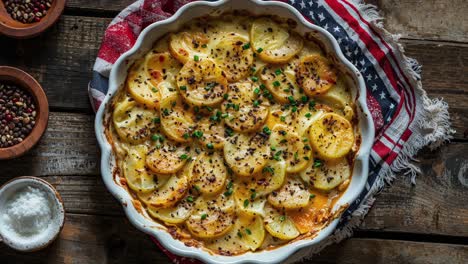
<point>248,233</point>
<point>339,95</point>
<point>211,217</point>
<point>289,146</point>
<point>209,173</point>
<point>247,202</point>
<point>234,56</point>
<point>306,117</point>
<point>331,136</point>
<point>312,217</point>
<point>132,122</point>
<point>329,175</point>
<point>173,215</point>
<point>202,83</point>
<point>274,43</point>
<point>213,132</point>
<point>177,120</point>
<point>280,225</point>
<point>292,195</point>
<point>140,87</point>
<point>246,154</point>
<point>162,67</point>
<point>315,74</point>
<point>138,179</point>
<point>184,46</point>
<point>246,112</point>
<point>280,80</point>
<point>171,192</point>
<point>166,157</point>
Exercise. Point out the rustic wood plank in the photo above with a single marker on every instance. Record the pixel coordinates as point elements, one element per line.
<point>68,147</point>
<point>101,239</point>
<point>69,49</point>
<point>426,19</point>
<point>436,204</point>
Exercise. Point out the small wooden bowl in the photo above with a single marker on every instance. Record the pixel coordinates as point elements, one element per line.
<point>27,82</point>
<point>16,29</point>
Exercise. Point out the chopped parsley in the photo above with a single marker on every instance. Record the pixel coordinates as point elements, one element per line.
<point>197,134</point>
<point>276,83</point>
<point>267,130</point>
<point>196,58</point>
<point>246,202</point>
<point>157,120</point>
<point>259,50</point>
<point>189,199</point>
<point>210,146</point>
<point>183,156</point>
<point>278,72</point>
<point>246,46</point>
<point>318,163</point>
<point>204,216</point>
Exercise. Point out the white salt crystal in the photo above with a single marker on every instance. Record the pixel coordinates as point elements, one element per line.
<point>28,212</point>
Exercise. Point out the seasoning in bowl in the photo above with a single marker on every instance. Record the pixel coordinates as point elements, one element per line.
<point>27,11</point>
<point>27,213</point>
<point>17,114</point>
<point>31,213</point>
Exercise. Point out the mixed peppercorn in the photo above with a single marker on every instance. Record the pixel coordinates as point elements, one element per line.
<point>17,114</point>
<point>27,11</point>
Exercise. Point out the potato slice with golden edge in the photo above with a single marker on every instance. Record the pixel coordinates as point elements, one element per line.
<point>162,67</point>
<point>246,154</point>
<point>184,46</point>
<point>245,111</point>
<point>338,96</point>
<point>280,225</point>
<point>171,192</point>
<point>326,175</point>
<point>234,56</point>
<point>315,74</point>
<point>292,195</point>
<point>212,132</point>
<point>173,215</point>
<point>209,173</point>
<point>202,83</point>
<point>248,234</point>
<point>166,157</point>
<point>314,216</point>
<point>138,179</point>
<point>177,119</point>
<point>280,80</point>
<point>140,87</point>
<point>331,136</point>
<point>247,200</point>
<point>132,122</point>
<point>211,217</point>
<point>306,117</point>
<point>289,146</point>
<point>272,42</point>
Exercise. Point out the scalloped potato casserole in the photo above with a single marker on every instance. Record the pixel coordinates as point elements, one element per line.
<point>235,133</point>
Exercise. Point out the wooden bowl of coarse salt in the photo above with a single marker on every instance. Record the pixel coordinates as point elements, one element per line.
<point>31,213</point>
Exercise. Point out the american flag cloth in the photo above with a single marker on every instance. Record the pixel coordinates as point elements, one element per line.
<point>405,119</point>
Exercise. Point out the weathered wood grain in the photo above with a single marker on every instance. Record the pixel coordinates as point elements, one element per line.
<point>100,239</point>
<point>98,5</point>
<point>68,147</point>
<point>67,52</point>
<point>68,157</point>
<point>426,19</point>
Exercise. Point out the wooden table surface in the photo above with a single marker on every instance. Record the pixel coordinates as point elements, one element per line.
<point>422,223</point>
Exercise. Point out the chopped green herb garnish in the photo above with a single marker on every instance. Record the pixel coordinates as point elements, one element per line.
<point>282,218</point>
<point>294,109</point>
<point>254,78</point>
<point>246,46</point>
<point>196,58</point>
<point>197,134</point>
<point>291,99</point>
<point>224,115</point>
<point>267,130</point>
<point>239,234</point>
<point>317,163</point>
<point>308,115</point>
<point>253,195</point>
<point>204,46</point>
<point>157,120</point>
<point>253,69</point>
<point>304,99</point>
<point>165,112</point>
<point>256,103</point>
<point>210,146</point>
<point>204,216</point>
<point>154,90</point>
<point>306,158</point>
<point>286,90</point>
<point>276,83</point>
<point>311,104</point>
<point>273,148</point>
<point>186,135</point>
<point>259,50</point>
<point>268,169</point>
<point>189,199</point>
<point>183,156</point>
<point>282,118</point>
<point>305,139</point>
<point>262,86</point>
<point>278,72</point>
<point>236,107</point>
<point>256,91</point>
<point>226,96</point>
<point>246,202</point>
<point>296,156</point>
<point>248,232</point>
<point>312,196</point>
<point>229,131</point>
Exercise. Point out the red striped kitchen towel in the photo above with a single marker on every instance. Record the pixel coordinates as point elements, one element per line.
<point>405,118</point>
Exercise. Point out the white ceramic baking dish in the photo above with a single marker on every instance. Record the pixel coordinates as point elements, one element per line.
<point>256,7</point>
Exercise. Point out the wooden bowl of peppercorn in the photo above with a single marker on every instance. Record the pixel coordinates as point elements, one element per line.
<point>24,112</point>
<point>28,18</point>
